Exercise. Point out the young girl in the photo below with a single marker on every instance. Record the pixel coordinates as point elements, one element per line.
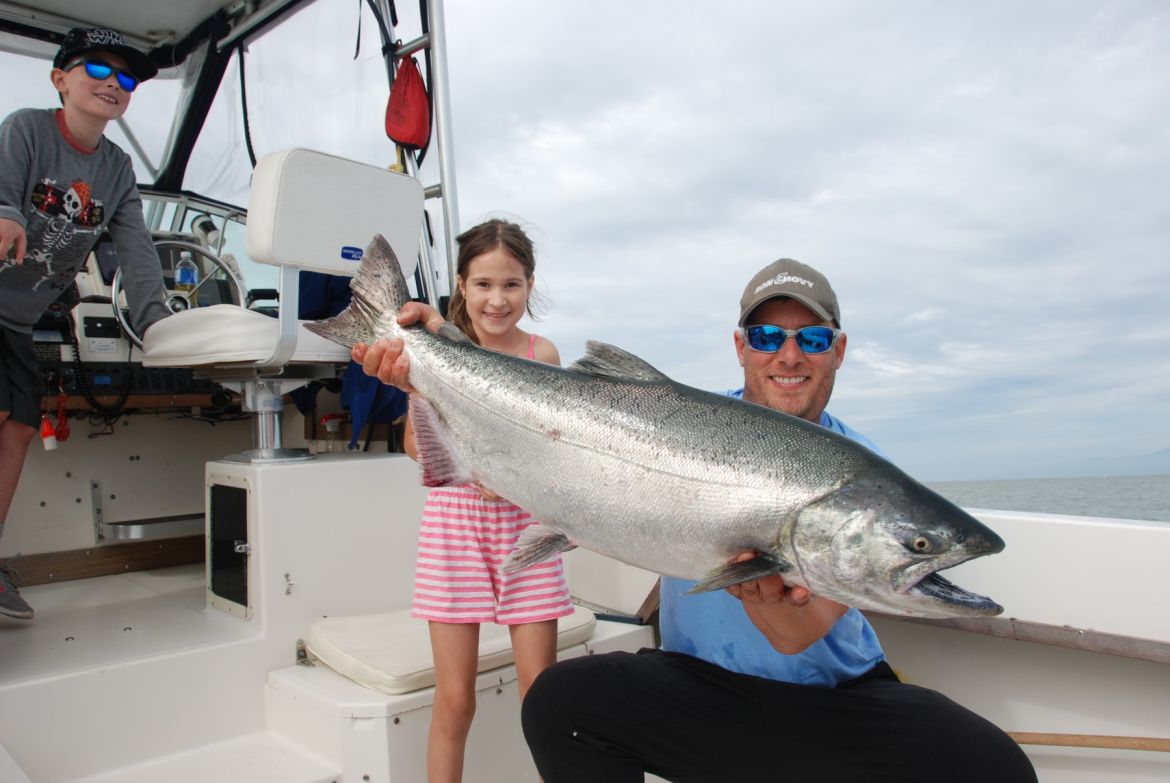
<point>467,531</point>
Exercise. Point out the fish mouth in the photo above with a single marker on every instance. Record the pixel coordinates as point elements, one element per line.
<point>940,596</point>
<point>938,589</point>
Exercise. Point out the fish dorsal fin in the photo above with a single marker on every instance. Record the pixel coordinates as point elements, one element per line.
<point>453,333</point>
<point>441,466</point>
<point>608,361</point>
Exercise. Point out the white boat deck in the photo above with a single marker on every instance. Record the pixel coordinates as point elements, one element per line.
<point>99,624</point>
<point>112,620</point>
<point>151,684</point>
<point>104,628</point>
<point>256,758</point>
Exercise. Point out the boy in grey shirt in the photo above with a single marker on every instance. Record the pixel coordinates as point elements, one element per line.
<point>63,184</point>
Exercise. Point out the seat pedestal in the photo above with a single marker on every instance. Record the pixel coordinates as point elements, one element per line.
<point>264,397</point>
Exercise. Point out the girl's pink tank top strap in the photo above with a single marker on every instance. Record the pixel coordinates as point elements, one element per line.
<point>531,346</point>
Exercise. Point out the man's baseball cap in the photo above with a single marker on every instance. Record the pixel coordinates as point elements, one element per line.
<point>83,40</point>
<point>794,280</point>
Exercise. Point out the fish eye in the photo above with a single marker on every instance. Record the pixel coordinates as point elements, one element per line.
<point>922,544</point>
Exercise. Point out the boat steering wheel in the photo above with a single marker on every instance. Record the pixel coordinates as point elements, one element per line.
<point>177,301</point>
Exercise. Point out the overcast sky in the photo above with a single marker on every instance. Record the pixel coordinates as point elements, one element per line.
<point>985,184</point>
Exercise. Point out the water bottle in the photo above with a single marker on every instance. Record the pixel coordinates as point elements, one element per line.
<point>187,276</point>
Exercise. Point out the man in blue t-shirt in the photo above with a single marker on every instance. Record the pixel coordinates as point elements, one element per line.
<point>759,682</point>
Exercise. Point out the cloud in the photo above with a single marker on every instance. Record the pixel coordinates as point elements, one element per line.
<point>983,184</point>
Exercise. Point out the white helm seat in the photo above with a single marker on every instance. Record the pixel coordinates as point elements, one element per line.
<point>226,335</point>
<point>306,211</point>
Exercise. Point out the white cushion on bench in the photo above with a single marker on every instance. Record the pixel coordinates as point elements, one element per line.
<point>228,334</point>
<point>392,652</point>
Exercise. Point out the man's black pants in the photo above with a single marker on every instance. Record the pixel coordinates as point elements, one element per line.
<point>611,718</point>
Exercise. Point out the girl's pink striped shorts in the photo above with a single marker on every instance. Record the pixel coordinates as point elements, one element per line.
<point>459,575</point>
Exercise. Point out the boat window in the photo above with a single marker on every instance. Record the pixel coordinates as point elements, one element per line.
<point>218,227</point>
<point>313,95</point>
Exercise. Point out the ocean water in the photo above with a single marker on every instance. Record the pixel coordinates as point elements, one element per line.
<point>1120,497</point>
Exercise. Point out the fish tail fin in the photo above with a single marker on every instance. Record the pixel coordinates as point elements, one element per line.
<point>758,567</point>
<point>441,467</point>
<point>536,544</point>
<point>379,291</point>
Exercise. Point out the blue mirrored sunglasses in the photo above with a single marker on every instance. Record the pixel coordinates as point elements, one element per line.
<point>768,338</point>
<point>96,69</point>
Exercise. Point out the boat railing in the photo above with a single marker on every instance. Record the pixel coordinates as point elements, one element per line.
<point>1067,636</point>
<point>1095,741</point>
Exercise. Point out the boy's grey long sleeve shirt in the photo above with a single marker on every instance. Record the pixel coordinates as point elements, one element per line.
<point>66,198</point>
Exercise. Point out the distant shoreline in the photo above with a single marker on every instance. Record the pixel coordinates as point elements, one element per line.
<point>1141,497</point>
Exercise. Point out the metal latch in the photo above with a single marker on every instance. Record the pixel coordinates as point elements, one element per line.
<point>95,496</point>
<point>242,547</point>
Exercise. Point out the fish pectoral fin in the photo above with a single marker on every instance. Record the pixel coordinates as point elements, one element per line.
<point>536,544</point>
<point>736,573</point>
<point>441,466</point>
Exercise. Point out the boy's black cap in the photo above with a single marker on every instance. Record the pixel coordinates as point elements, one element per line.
<point>82,40</point>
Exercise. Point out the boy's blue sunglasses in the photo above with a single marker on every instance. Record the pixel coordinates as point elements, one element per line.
<point>96,69</point>
<point>768,338</point>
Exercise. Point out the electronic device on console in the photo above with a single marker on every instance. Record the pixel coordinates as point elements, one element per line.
<point>81,350</point>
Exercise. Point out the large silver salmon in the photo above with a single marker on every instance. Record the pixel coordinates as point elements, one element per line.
<point>611,455</point>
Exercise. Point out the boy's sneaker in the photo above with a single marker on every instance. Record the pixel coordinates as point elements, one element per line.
<point>11,604</point>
